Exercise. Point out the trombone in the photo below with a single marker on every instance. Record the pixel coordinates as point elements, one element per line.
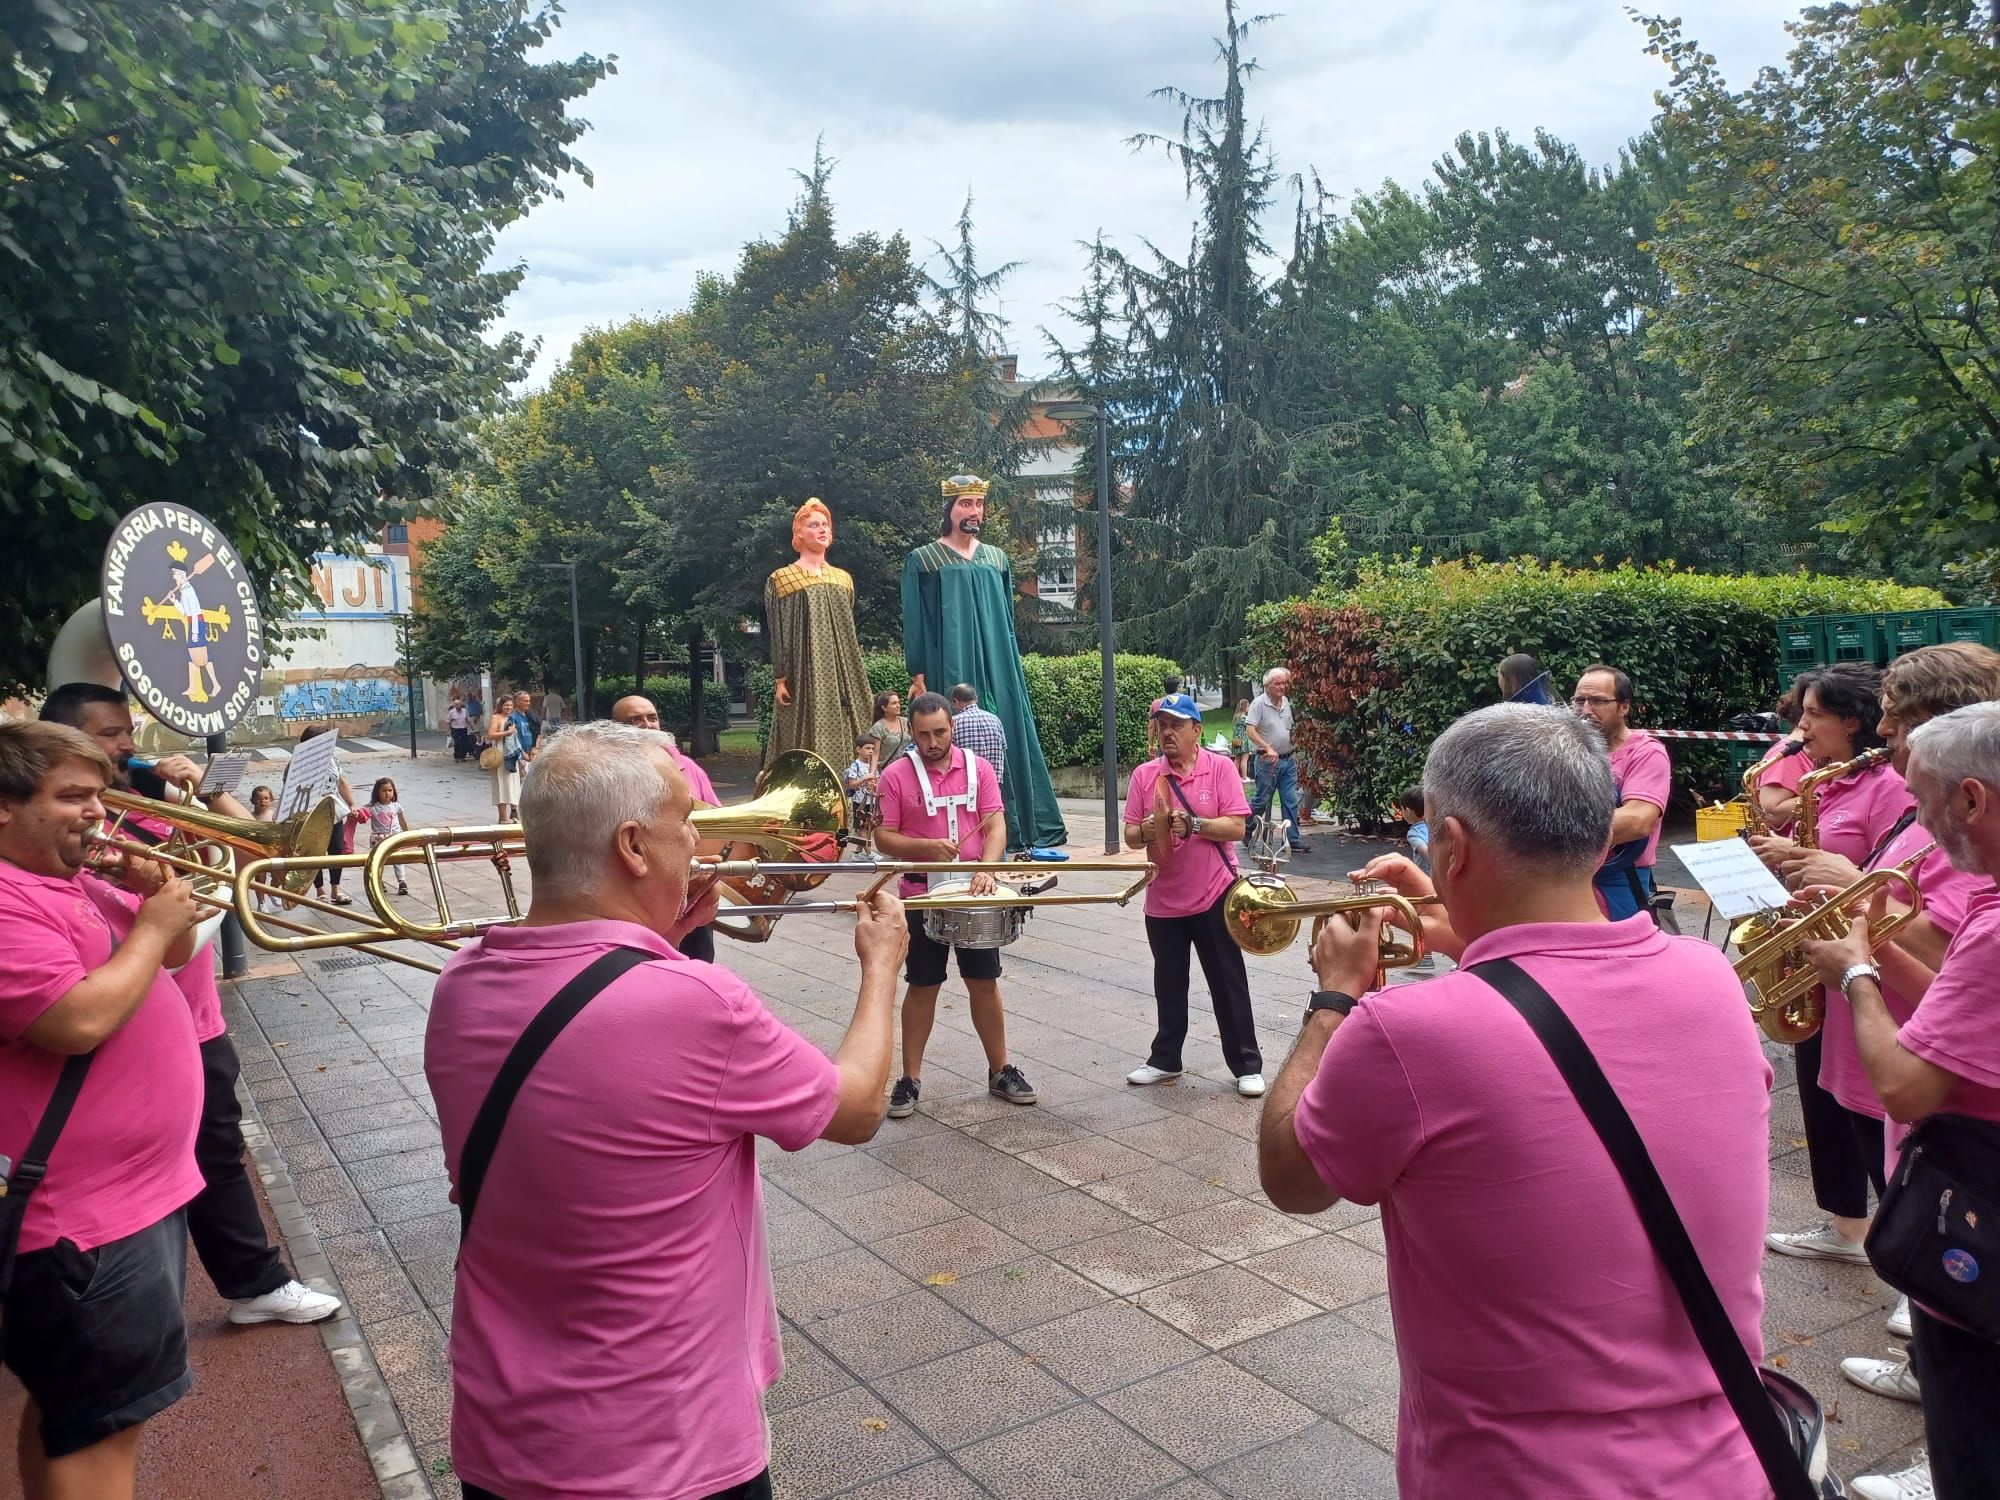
<point>1035,892</point>
<point>1263,915</point>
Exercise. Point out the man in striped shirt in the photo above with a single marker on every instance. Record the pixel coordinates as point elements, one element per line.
<point>974,729</point>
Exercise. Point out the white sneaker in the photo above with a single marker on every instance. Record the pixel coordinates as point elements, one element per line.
<point>1899,1320</point>
<point>1911,1484</point>
<point>1823,1243</point>
<point>294,1302</point>
<point>1885,1377</point>
<point>1140,1077</point>
<point>1251,1085</point>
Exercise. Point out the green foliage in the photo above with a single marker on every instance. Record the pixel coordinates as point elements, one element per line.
<point>1836,253</point>
<point>670,697</point>
<point>1387,663</point>
<point>1066,693</point>
<point>245,250</point>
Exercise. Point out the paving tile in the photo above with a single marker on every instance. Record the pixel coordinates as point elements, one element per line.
<point>426,1165</point>
<point>1024,1130</point>
<point>1062,1218</point>
<point>1208,1411</point>
<point>433,1278</point>
<point>391,1140</point>
<point>835,1284</point>
<point>412,1200</point>
<point>328,1185</point>
<point>1327,1362</point>
<point>433,1234</point>
<point>939,1479</point>
<point>1092,1158</point>
<point>1368,1233</point>
<point>1156,1192</point>
<point>826,1446</point>
<point>1224,1306</point>
<point>896,1209</point>
<point>1020,1295</point>
<point>1001,1186</point>
<point>1079,1453</point>
<point>1105,1111</point>
<point>956,1247</point>
<point>411,1353</point>
<point>810,1372</point>
<point>1324,1462</point>
<point>1326,1269</point>
<point>342,1122</point>
<point>799,1237</point>
<point>375,1295</point>
<point>1106,1346</point>
<point>1237,1228</point>
<point>1176,1138</point>
<point>973,1393</point>
<point>1375,1421</point>
<point>1133,1259</point>
<point>939,1159</point>
<point>896,1333</point>
<point>816,1181</point>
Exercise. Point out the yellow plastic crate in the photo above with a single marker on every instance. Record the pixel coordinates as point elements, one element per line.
<point>1724,820</point>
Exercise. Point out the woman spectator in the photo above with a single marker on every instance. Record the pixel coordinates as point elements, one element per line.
<point>1523,679</point>
<point>891,731</point>
<point>503,734</point>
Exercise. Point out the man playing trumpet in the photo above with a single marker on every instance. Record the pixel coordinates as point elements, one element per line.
<point>1186,809</point>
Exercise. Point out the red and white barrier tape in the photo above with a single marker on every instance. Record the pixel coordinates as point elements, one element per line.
<point>1740,736</point>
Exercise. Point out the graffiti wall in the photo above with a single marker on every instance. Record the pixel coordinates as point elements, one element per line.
<point>342,698</point>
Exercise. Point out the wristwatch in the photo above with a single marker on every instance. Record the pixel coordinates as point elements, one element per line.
<point>1338,1000</point>
<point>1859,971</point>
<point>1195,826</point>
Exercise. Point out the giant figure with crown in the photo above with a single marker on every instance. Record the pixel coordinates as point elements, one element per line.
<point>958,626</point>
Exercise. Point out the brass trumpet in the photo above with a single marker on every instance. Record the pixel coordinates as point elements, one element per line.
<point>1263,915</point>
<point>1785,992</point>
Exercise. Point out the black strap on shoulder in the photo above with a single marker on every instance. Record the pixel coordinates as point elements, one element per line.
<point>1174,786</point>
<point>27,1175</point>
<point>1607,1116</point>
<point>484,1137</point>
<point>1895,832</point>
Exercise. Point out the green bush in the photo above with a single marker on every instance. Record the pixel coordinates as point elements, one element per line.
<point>670,697</point>
<point>1066,693</point>
<point>1384,666</point>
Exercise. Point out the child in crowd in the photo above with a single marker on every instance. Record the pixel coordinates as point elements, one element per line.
<point>264,808</point>
<point>385,816</point>
<point>860,779</point>
<point>1410,810</point>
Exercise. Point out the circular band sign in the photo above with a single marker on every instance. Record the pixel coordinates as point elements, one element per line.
<point>183,618</point>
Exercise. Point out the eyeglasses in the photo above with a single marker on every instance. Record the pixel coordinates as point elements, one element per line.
<point>1589,700</point>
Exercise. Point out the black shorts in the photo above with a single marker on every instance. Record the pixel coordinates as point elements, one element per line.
<point>926,965</point>
<point>99,1337</point>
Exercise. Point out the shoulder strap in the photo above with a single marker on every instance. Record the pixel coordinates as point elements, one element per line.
<point>1895,832</point>
<point>1731,1362</point>
<point>1174,786</point>
<point>20,1184</point>
<point>484,1137</point>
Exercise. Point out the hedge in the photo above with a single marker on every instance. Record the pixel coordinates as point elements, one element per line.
<point>1382,667</point>
<point>1066,693</point>
<point>670,697</point>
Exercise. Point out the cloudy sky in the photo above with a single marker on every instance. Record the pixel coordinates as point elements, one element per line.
<point>1029,108</point>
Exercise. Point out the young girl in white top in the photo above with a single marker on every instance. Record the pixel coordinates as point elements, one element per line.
<point>264,808</point>
<point>385,816</point>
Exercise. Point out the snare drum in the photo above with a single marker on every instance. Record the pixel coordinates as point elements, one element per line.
<point>992,926</point>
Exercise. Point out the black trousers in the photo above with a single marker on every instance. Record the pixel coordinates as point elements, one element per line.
<point>340,844</point>
<point>1959,1374</point>
<point>751,1489</point>
<point>461,744</point>
<point>1170,938</point>
<point>223,1221</point>
<point>1844,1148</point>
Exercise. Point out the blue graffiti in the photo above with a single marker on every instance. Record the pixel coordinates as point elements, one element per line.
<point>342,697</point>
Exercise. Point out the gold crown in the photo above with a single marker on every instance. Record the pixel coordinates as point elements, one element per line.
<point>176,551</point>
<point>963,484</point>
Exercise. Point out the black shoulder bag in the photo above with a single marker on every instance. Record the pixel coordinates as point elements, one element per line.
<point>1780,1417</point>
<point>20,1184</point>
<point>1936,1235</point>
<point>484,1137</point>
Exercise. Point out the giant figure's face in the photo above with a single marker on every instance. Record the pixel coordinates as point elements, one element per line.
<point>968,514</point>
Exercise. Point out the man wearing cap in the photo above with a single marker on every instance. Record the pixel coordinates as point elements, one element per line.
<point>1186,809</point>
<point>958,626</point>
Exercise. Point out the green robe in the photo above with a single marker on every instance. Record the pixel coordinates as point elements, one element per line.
<point>958,626</point>
<point>813,647</point>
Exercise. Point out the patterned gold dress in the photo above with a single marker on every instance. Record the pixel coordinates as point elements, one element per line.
<point>814,648</point>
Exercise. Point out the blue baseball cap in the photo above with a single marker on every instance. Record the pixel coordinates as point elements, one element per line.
<point>1178,706</point>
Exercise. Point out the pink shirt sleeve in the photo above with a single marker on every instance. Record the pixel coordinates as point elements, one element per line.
<point>48,958</point>
<point>889,795</point>
<point>1953,1026</point>
<point>1139,794</point>
<point>1649,775</point>
<point>1948,891</point>
<point>1358,1119</point>
<point>698,782</point>
<point>776,1083</point>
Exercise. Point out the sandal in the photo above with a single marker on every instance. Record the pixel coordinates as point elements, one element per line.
<point>341,899</point>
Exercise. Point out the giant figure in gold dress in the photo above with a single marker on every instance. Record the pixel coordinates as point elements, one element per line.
<point>821,700</point>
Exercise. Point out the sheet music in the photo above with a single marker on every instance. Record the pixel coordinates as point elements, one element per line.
<point>1732,875</point>
<point>224,773</point>
<point>309,776</point>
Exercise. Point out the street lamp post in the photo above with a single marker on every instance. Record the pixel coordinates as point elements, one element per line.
<point>1071,411</point>
<point>575,634</point>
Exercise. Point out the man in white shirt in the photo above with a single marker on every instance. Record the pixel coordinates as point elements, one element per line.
<point>1269,727</point>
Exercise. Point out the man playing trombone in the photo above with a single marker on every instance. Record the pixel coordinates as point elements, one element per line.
<point>942,802</point>
<point>599,1095</point>
<point>1186,808</point>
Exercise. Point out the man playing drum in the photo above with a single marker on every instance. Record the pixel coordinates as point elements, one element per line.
<point>940,802</point>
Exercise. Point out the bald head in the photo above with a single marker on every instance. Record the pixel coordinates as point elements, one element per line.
<point>636,711</point>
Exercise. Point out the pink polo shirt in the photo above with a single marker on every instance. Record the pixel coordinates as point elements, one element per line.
<point>1543,1349</point>
<point>1198,871</point>
<point>1947,894</point>
<point>903,806</point>
<point>613,1328</point>
<point>1644,774</point>
<point>1954,1027</point>
<point>197,984</point>
<point>125,1160</point>
<point>1856,811</point>
<point>697,779</point>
